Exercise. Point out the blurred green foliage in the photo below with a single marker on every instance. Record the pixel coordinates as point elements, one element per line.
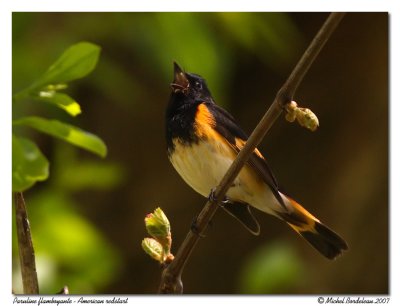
<point>72,253</point>
<point>28,163</point>
<point>273,268</point>
<point>72,245</point>
<point>202,42</point>
<point>69,248</point>
<point>245,58</point>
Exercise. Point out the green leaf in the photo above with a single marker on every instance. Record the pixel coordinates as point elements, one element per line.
<point>28,164</point>
<point>153,248</point>
<point>67,132</point>
<point>76,62</point>
<point>61,100</point>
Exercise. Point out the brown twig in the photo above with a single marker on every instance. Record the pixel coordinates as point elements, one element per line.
<point>171,276</point>
<point>25,247</point>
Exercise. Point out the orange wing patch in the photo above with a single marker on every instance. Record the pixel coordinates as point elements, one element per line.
<point>205,128</point>
<point>240,144</point>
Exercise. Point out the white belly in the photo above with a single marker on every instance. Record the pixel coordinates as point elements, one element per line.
<point>203,165</point>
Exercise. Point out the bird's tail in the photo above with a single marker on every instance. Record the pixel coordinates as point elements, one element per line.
<point>322,238</point>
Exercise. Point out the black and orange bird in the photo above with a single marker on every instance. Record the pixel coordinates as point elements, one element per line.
<point>203,139</point>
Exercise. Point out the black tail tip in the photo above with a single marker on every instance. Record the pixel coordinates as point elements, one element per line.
<point>326,241</point>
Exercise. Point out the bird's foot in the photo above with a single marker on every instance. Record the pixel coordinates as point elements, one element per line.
<point>213,198</point>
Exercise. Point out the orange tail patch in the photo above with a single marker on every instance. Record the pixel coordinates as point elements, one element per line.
<point>321,237</point>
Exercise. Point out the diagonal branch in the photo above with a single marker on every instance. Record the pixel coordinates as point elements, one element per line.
<point>25,247</point>
<point>171,276</point>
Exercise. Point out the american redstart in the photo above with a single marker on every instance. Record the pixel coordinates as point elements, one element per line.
<point>203,139</point>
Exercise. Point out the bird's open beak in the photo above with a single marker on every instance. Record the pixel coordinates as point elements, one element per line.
<point>181,83</point>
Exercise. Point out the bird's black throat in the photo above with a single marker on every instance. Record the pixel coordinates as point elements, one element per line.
<point>180,120</point>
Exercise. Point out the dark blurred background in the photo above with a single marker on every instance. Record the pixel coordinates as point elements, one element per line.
<point>87,219</point>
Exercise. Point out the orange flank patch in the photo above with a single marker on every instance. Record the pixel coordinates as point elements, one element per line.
<point>205,129</point>
<point>204,122</point>
<point>240,144</point>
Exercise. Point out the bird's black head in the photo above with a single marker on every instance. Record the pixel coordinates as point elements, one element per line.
<point>190,85</point>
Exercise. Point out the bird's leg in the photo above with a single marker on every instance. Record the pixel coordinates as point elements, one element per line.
<point>212,198</point>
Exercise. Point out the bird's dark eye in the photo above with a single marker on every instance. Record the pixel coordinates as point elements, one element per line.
<point>198,85</point>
